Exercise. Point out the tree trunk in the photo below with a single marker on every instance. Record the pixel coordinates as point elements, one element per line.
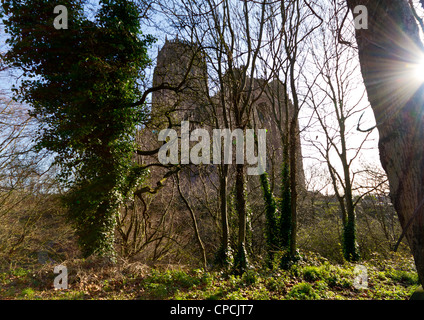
<point>285,223</point>
<point>271,234</point>
<point>224,210</point>
<point>293,184</point>
<point>293,135</point>
<point>350,248</point>
<point>240,263</point>
<point>222,254</point>
<point>386,49</point>
<point>195,227</point>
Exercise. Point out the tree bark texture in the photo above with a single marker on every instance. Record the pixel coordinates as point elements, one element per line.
<point>388,50</point>
<point>241,205</point>
<point>223,207</point>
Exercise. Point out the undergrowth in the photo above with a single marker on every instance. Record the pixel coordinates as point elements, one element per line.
<point>312,278</point>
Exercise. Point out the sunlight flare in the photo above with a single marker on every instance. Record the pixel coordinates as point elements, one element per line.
<point>418,70</point>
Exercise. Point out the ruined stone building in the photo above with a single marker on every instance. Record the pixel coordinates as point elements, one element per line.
<point>201,98</point>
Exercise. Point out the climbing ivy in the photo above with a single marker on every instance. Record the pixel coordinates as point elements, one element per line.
<point>271,231</point>
<point>285,225</point>
<point>81,83</point>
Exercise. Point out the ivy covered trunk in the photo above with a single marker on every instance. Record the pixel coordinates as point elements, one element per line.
<point>388,51</point>
<point>350,248</point>
<point>271,231</point>
<point>92,211</point>
<point>82,84</point>
<point>286,222</point>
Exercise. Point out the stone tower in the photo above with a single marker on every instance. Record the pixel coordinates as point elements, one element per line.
<point>180,65</point>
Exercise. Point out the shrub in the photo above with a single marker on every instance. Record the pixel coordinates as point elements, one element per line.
<point>28,293</point>
<point>249,277</point>
<point>403,276</point>
<point>311,273</point>
<point>340,278</point>
<point>303,291</point>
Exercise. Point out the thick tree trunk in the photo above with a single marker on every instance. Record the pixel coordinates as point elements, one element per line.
<point>386,50</point>
<point>293,185</point>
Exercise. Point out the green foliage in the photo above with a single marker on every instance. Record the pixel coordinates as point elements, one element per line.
<point>278,223</point>
<point>340,278</point>
<point>285,224</point>
<point>312,273</point>
<point>311,278</point>
<point>350,247</point>
<point>402,276</point>
<point>28,293</point>
<point>327,275</point>
<point>271,231</point>
<point>19,272</point>
<point>82,84</point>
<point>241,263</point>
<point>303,291</point>
<point>161,284</point>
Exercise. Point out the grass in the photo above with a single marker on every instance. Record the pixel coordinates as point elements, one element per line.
<point>310,279</point>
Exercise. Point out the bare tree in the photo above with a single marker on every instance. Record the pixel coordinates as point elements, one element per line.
<point>194,222</point>
<point>288,31</point>
<point>231,37</point>
<point>28,189</point>
<point>337,102</point>
<point>376,206</point>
